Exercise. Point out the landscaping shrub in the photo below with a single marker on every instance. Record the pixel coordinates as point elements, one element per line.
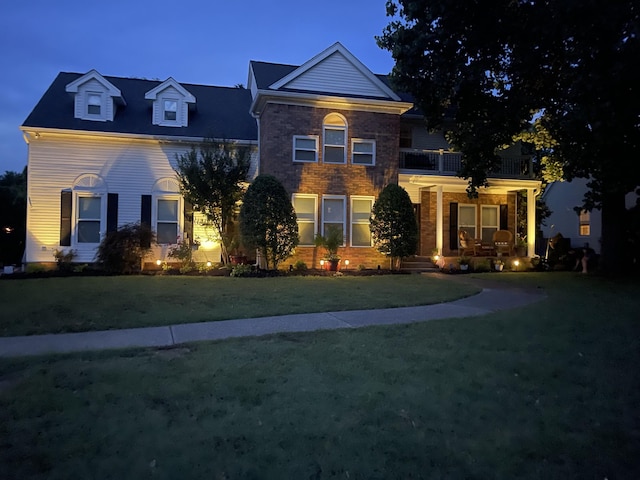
<point>122,251</point>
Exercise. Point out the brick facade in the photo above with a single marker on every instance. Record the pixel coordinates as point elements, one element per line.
<point>278,125</point>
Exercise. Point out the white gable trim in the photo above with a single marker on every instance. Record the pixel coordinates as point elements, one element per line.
<point>339,49</point>
<point>111,90</point>
<point>168,83</point>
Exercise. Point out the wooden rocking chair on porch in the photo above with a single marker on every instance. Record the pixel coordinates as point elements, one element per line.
<point>468,245</point>
<point>503,242</point>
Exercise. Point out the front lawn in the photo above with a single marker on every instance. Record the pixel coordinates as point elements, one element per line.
<point>78,304</point>
<point>548,391</point>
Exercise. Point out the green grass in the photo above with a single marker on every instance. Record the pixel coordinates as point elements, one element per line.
<point>79,304</point>
<point>550,391</point>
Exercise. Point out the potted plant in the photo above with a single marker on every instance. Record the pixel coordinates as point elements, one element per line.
<point>464,263</point>
<point>331,241</point>
<point>498,265</point>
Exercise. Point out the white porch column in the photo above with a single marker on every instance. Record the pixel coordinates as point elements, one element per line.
<point>531,222</point>
<point>439,220</point>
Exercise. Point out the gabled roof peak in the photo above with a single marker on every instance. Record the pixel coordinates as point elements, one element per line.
<point>93,74</point>
<point>168,83</point>
<point>337,50</point>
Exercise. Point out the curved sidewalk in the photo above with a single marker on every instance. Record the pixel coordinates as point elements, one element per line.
<point>487,301</point>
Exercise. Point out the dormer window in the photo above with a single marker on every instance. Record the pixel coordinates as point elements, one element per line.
<point>170,110</point>
<point>94,104</point>
<point>171,104</point>
<point>95,97</point>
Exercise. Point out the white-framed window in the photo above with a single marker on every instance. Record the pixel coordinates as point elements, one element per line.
<point>333,213</point>
<point>584,223</point>
<point>363,152</point>
<point>88,218</point>
<point>360,221</point>
<point>170,110</point>
<point>167,218</point>
<point>306,208</point>
<point>490,221</point>
<point>94,103</point>
<point>305,148</point>
<point>467,219</point>
<point>335,139</point>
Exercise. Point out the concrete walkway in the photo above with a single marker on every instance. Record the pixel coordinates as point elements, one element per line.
<point>492,298</point>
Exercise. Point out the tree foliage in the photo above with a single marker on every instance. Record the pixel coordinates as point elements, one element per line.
<point>393,223</point>
<point>483,71</point>
<point>211,178</point>
<point>268,221</point>
<point>13,215</point>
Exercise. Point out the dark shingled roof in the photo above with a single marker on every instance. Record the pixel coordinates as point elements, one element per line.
<point>221,112</point>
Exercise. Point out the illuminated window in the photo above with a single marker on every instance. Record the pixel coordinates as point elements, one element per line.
<point>333,213</point>
<point>94,104</point>
<point>584,220</point>
<point>170,110</point>
<point>167,220</point>
<point>363,152</point>
<point>490,221</point>
<point>335,139</point>
<point>306,213</point>
<point>89,211</point>
<point>360,214</point>
<point>305,148</point>
<point>467,219</point>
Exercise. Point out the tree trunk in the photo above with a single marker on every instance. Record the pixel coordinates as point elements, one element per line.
<point>612,256</point>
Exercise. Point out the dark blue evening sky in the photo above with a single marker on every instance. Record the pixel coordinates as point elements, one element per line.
<point>206,42</point>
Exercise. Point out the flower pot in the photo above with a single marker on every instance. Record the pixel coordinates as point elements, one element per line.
<point>498,267</point>
<point>332,265</point>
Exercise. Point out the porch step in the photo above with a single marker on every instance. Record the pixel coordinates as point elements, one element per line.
<point>418,264</point>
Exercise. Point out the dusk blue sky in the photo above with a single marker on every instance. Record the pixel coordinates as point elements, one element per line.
<point>205,42</point>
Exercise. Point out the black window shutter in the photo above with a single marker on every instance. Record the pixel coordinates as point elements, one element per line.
<point>145,213</point>
<point>65,218</point>
<point>453,225</point>
<point>504,217</point>
<point>112,212</point>
<point>188,221</point>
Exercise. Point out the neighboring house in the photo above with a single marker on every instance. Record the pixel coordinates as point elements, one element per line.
<point>581,226</point>
<point>102,152</point>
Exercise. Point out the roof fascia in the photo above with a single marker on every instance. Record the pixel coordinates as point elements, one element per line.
<point>327,101</point>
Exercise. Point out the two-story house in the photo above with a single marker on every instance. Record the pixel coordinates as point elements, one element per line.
<point>102,153</point>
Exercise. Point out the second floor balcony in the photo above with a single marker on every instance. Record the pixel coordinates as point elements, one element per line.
<point>439,162</point>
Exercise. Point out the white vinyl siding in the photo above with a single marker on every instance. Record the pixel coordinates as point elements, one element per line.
<point>360,215</point>
<point>305,148</point>
<point>333,213</point>
<point>490,221</point>
<point>336,74</point>
<point>363,152</point>
<point>467,219</point>
<point>92,102</point>
<point>306,210</point>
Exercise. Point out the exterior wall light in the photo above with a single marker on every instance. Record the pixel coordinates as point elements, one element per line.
<point>346,263</point>
<point>158,262</point>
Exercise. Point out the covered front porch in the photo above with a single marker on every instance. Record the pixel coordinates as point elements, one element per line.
<point>443,207</point>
